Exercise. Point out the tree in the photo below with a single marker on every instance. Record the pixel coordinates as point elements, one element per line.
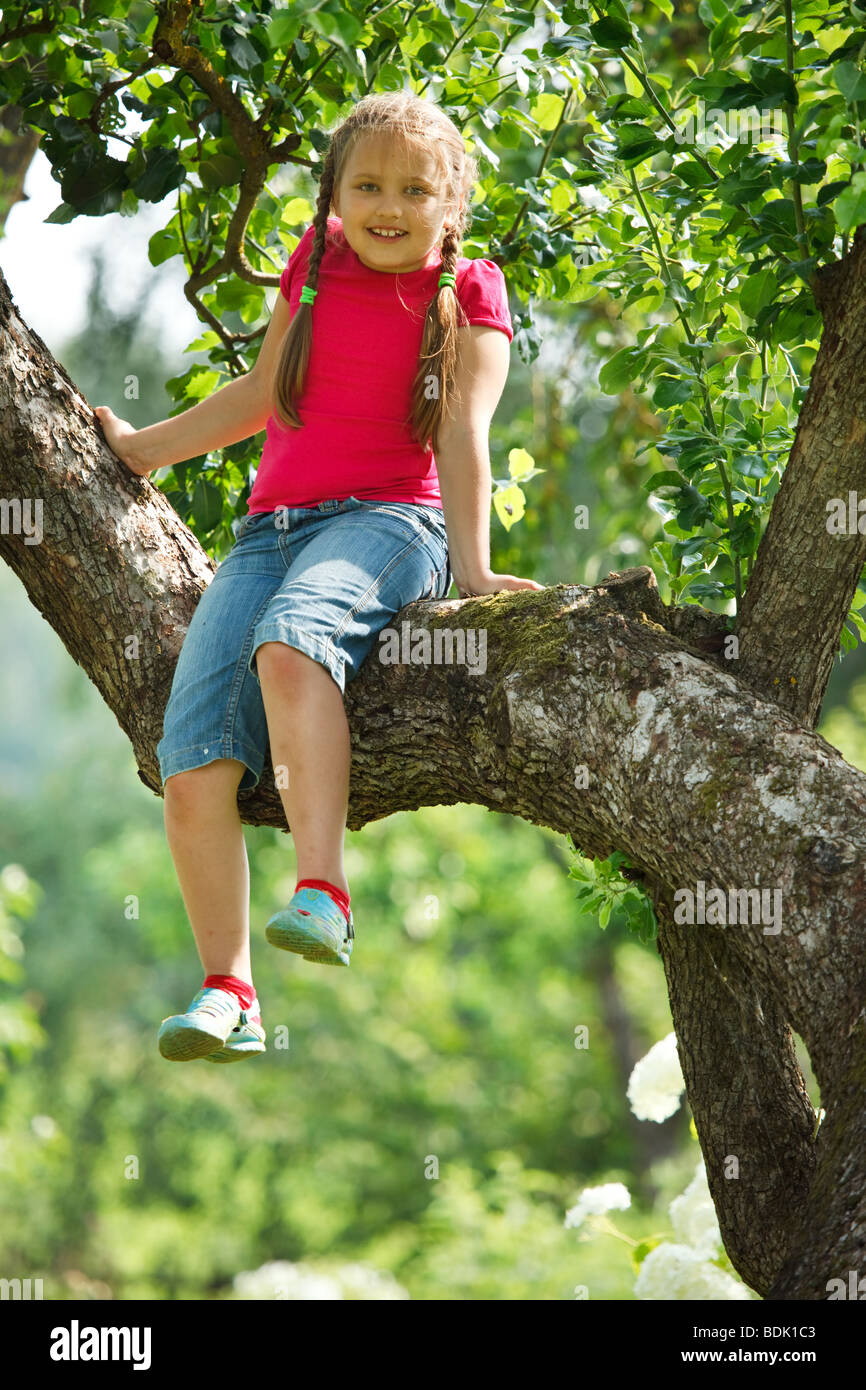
<point>603,712</point>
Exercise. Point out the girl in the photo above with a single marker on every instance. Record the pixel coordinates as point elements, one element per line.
<point>385,344</point>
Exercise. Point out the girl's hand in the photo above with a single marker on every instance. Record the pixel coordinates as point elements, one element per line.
<point>491,583</point>
<point>118,435</point>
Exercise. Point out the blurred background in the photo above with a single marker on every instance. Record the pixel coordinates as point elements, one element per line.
<point>422,1122</point>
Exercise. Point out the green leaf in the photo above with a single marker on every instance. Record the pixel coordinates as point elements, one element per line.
<point>220,171</point>
<point>621,370</point>
<point>850,206</point>
<point>850,81</point>
<point>510,505</point>
<point>64,212</point>
<point>639,1252</point>
<point>163,173</point>
<point>561,196</point>
<point>296,211</point>
<point>750,465</point>
<point>666,477</point>
<point>757,291</point>
<point>635,143</point>
<point>547,109</point>
<point>671,391</point>
<point>92,182</point>
<point>520,463</point>
<point>611,33</point>
<point>694,174</point>
<point>207,504</point>
<point>162,245</point>
<point>829,191</point>
<point>245,57</point>
<point>339,28</point>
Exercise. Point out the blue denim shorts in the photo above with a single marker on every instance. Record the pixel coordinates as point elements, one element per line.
<point>324,579</point>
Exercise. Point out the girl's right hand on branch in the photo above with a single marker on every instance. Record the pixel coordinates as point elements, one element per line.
<point>118,435</point>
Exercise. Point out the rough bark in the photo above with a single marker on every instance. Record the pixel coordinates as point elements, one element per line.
<point>690,772</point>
<point>17,147</point>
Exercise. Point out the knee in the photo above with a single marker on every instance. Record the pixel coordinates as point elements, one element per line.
<point>279,661</point>
<point>188,793</point>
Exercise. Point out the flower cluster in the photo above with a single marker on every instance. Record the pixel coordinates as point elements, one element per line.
<point>656,1083</point>
<point>283,1280</point>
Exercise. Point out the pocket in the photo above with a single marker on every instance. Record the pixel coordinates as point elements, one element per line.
<point>407,512</point>
<point>434,519</point>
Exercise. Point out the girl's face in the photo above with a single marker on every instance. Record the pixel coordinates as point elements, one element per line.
<point>386,186</point>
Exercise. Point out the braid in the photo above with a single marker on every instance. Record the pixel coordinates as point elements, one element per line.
<point>291,369</point>
<point>433,389</point>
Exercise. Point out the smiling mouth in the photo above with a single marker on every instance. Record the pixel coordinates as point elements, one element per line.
<point>381,234</point>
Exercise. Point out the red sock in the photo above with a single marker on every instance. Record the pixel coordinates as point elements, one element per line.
<point>340,898</point>
<point>243,992</point>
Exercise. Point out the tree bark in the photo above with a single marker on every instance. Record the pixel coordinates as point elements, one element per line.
<point>688,771</point>
<point>18,145</point>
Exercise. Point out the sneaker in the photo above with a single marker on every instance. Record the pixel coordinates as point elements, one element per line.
<point>246,1040</point>
<point>313,926</point>
<point>204,1028</point>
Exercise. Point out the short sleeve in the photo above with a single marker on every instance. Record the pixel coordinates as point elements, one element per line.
<point>483,295</point>
<point>297,264</point>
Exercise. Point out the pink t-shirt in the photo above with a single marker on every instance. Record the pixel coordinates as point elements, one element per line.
<point>358,389</point>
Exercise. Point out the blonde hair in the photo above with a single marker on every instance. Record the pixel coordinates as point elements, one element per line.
<point>408,117</point>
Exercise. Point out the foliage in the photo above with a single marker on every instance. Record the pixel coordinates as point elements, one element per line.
<point>608,889</point>
<point>719,188</point>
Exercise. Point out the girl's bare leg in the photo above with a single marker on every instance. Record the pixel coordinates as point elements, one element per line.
<point>309,737</point>
<point>207,845</point>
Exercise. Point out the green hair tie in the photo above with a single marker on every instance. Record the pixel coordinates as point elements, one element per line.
<point>447,279</point>
<point>308,294</point>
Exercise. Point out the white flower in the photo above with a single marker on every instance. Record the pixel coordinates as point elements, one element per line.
<point>693,1216</point>
<point>13,878</point>
<point>593,197</point>
<point>656,1083</point>
<point>283,1280</point>
<point>678,1272</point>
<point>365,1282</point>
<point>609,1197</point>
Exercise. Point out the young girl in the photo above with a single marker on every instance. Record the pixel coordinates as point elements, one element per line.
<point>385,344</point>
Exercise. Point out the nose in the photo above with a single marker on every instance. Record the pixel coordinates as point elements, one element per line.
<point>389,209</point>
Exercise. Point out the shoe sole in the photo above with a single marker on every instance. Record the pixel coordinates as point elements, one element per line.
<point>185,1043</point>
<point>288,934</point>
<point>236,1054</point>
<point>252,1046</point>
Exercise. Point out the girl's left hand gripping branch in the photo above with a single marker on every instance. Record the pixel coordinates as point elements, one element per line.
<point>118,435</point>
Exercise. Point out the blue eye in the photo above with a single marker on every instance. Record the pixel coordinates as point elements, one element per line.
<point>417,187</point>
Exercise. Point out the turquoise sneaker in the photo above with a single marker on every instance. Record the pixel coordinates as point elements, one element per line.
<point>246,1040</point>
<point>314,927</point>
<point>204,1028</point>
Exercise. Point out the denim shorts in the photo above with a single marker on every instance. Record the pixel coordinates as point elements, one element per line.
<point>324,579</point>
